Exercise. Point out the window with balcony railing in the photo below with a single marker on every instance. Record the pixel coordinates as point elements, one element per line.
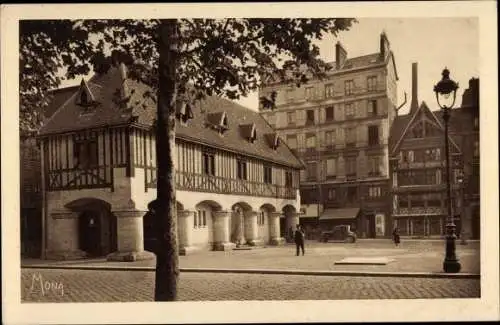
<point>349,87</point>
<point>290,118</point>
<point>349,110</point>
<point>329,91</point>
<point>372,83</point>
<point>374,166</point>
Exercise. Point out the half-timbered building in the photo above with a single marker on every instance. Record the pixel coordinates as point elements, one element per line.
<point>234,178</point>
<point>418,168</point>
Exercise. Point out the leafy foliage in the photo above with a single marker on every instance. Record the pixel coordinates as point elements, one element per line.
<point>224,57</point>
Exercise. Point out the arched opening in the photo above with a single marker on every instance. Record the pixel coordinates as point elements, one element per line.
<point>203,223</point>
<point>237,223</point>
<point>287,222</point>
<point>97,226</point>
<point>148,224</point>
<point>263,224</point>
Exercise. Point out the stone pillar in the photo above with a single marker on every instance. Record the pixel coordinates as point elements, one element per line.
<point>240,219</point>
<point>274,229</point>
<point>185,221</point>
<point>221,231</point>
<point>130,235</point>
<point>251,231</point>
<point>63,237</point>
<point>292,220</point>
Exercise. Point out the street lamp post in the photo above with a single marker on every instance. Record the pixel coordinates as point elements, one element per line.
<point>446,90</point>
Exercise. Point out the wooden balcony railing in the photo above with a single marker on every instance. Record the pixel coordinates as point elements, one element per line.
<point>71,179</point>
<point>221,185</point>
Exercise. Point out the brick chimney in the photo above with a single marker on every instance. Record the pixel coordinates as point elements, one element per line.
<point>414,87</point>
<point>340,55</point>
<point>384,45</point>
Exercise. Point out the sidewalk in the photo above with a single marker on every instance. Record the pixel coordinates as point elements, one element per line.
<point>413,259</point>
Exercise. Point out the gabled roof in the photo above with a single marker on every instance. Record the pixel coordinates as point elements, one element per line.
<point>403,123</point>
<point>134,108</point>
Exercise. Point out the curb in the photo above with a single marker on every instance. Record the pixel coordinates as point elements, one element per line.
<point>429,275</point>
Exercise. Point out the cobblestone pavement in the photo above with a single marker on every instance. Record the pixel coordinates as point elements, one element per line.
<point>411,256</point>
<point>116,286</point>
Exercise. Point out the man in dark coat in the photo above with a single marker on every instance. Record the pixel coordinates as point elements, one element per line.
<point>299,237</point>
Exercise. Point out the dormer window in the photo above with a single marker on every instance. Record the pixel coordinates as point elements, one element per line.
<point>85,98</point>
<point>273,140</point>
<point>183,112</point>
<point>218,121</point>
<point>249,132</point>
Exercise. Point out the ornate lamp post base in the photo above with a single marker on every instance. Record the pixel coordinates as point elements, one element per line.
<point>451,263</point>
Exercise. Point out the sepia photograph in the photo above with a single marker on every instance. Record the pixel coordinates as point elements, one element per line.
<point>231,162</point>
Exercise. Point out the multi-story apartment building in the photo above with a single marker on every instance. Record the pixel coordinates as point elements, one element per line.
<point>418,173</point>
<point>235,179</point>
<point>339,127</point>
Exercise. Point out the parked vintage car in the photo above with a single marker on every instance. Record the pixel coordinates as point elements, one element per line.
<point>341,233</point>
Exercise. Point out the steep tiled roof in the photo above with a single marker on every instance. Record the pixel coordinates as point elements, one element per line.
<point>109,112</point>
<point>397,128</point>
<point>232,139</point>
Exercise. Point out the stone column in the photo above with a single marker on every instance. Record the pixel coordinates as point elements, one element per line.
<point>63,237</point>
<point>274,229</point>
<point>241,240</point>
<point>130,235</point>
<point>292,220</point>
<point>185,221</point>
<point>251,231</point>
<point>221,231</point>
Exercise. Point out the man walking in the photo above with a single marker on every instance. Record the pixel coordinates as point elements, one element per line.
<point>299,237</point>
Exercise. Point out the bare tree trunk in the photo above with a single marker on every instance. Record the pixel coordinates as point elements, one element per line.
<point>167,258</point>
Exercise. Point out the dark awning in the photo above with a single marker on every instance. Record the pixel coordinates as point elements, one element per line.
<point>346,213</point>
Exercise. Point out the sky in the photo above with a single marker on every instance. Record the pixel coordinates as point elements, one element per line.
<point>434,43</point>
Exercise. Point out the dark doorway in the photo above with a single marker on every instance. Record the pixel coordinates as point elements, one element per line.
<point>97,232</point>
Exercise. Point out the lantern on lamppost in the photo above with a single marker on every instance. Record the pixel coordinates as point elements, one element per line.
<point>446,91</point>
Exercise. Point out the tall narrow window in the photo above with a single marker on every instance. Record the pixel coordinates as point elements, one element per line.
<point>329,91</point>
<point>352,193</point>
<point>288,179</point>
<point>329,113</point>
<point>289,95</point>
<point>350,135</point>
<point>372,83</point>
<point>208,163</point>
<point>310,93</point>
<point>268,175</point>
<point>351,166</point>
<point>372,107</point>
<point>241,169</point>
<point>349,110</point>
<point>309,117</point>
<point>311,141</point>
<point>330,138</point>
<point>349,87</point>
<point>290,116</point>
<point>374,166</point>
<point>331,167</point>
<point>373,139</point>
<point>311,171</point>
